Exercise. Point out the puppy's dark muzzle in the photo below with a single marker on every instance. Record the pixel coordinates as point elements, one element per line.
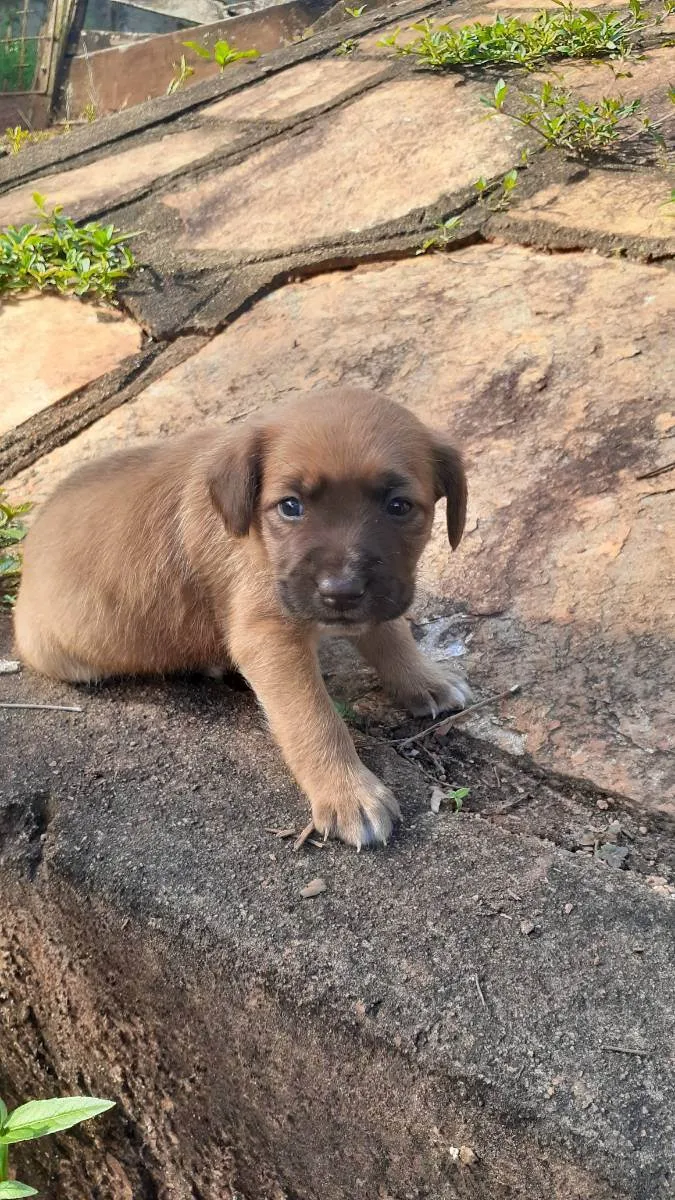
<point>341,593</point>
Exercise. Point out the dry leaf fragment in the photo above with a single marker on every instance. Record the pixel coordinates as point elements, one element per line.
<point>437,798</point>
<point>314,888</point>
<point>467,1156</point>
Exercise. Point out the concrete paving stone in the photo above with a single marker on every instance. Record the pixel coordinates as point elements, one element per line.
<point>615,202</point>
<point>54,345</point>
<point>308,85</point>
<point>557,376</point>
<point>370,162</point>
<point>117,174</point>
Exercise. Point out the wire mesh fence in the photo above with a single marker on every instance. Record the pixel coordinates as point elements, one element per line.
<point>26,43</point>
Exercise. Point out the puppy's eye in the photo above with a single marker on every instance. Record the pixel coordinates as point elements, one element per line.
<point>291,508</point>
<point>398,506</point>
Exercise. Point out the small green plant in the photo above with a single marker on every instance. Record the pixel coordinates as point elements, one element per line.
<point>16,138</point>
<point>223,53</point>
<point>567,123</point>
<point>89,113</point>
<point>569,33</point>
<point>73,259</point>
<point>35,1120</point>
<point>497,198</point>
<point>441,795</point>
<point>12,531</point>
<point>356,12</point>
<point>445,233</point>
<point>182,72</point>
<point>457,796</point>
<point>347,711</point>
<point>347,47</point>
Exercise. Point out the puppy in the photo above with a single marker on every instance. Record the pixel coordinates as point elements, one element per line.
<point>240,547</point>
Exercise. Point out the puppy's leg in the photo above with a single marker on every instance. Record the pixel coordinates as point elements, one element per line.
<point>282,668</point>
<point>418,684</point>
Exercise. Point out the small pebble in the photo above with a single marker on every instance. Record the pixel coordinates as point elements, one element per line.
<point>466,1156</point>
<point>9,666</point>
<point>602,804</point>
<point>568,909</point>
<point>643,830</point>
<point>314,888</point>
<point>527,927</point>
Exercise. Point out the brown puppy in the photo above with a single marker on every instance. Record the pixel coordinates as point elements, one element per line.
<point>240,547</point>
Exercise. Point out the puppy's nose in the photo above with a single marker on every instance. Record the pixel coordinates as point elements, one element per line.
<point>341,591</point>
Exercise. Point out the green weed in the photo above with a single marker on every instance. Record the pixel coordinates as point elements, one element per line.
<point>347,47</point>
<point>457,796</point>
<point>182,72</point>
<point>14,139</point>
<point>445,233</point>
<point>347,711</point>
<point>497,198</point>
<point>356,12</point>
<point>454,796</point>
<point>567,123</point>
<point>568,33</point>
<point>12,531</point>
<point>35,1120</point>
<point>73,259</point>
<point>223,53</point>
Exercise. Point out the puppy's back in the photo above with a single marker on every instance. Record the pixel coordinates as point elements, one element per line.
<point>105,588</point>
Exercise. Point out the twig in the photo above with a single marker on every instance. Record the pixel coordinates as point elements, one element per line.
<point>306,833</point>
<point>480,991</point>
<point>657,471</point>
<point>52,707</point>
<point>442,727</point>
<point>507,806</point>
<point>628,1050</point>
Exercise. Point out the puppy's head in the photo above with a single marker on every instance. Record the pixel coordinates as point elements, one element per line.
<point>341,488</point>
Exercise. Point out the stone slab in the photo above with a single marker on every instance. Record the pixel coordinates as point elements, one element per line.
<point>467,987</point>
<point>611,203</point>
<point>368,163</point>
<point>58,344</point>
<point>309,85</point>
<point>114,176</point>
<point>556,375</point>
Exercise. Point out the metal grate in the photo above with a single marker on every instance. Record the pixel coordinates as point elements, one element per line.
<point>26,45</point>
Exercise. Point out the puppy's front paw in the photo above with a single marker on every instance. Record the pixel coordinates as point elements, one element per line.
<point>356,807</point>
<point>436,690</point>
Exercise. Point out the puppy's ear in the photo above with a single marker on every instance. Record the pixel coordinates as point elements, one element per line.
<point>451,483</point>
<point>234,479</point>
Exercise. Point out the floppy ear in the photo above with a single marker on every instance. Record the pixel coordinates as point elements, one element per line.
<point>451,483</point>
<point>234,479</point>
